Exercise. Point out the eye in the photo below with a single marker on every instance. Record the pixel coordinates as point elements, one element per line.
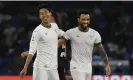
<point>83,19</point>
<point>41,13</point>
<point>88,19</point>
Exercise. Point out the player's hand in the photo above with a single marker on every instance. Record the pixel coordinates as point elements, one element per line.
<point>23,73</point>
<point>108,70</point>
<point>24,54</point>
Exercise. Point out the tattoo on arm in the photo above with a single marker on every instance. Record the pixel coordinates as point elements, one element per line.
<point>102,53</point>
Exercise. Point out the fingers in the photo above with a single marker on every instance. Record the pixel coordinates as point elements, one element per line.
<point>22,74</point>
<point>107,74</point>
<point>108,71</point>
<point>23,54</point>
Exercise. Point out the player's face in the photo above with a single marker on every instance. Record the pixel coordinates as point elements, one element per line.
<point>44,15</point>
<point>84,20</point>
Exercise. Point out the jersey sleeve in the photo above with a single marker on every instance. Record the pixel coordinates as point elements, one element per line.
<point>97,38</point>
<point>59,32</point>
<point>33,42</point>
<point>67,34</point>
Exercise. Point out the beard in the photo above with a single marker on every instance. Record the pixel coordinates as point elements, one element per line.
<point>84,27</point>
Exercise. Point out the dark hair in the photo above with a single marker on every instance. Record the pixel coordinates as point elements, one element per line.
<point>53,14</point>
<point>43,6</point>
<point>82,12</point>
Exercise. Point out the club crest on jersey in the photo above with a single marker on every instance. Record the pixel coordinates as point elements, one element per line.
<point>77,36</point>
<point>45,66</point>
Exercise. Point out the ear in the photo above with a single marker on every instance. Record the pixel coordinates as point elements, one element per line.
<point>78,19</point>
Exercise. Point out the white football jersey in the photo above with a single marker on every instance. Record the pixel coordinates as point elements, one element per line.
<point>44,41</point>
<point>82,44</point>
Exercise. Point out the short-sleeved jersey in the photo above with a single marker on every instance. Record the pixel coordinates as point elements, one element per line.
<point>82,44</point>
<point>44,41</point>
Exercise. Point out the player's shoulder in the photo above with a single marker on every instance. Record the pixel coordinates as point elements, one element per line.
<point>38,28</point>
<point>93,30</point>
<point>72,29</point>
<point>54,25</point>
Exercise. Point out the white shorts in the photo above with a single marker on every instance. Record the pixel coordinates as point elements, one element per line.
<point>42,74</point>
<point>77,75</point>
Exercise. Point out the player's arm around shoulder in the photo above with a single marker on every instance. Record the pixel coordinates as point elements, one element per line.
<point>64,38</point>
<point>59,31</point>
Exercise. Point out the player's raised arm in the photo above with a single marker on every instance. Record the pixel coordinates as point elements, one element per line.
<point>32,50</point>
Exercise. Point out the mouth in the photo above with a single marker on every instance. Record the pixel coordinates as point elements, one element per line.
<point>85,25</point>
<point>45,18</point>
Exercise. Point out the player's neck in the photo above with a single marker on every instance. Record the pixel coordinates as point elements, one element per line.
<point>48,25</point>
<point>83,30</point>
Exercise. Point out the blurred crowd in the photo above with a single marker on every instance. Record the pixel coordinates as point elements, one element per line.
<point>113,20</point>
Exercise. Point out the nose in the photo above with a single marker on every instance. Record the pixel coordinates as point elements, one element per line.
<point>44,16</point>
<point>86,22</point>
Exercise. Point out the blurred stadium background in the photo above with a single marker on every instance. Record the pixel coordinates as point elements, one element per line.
<point>113,20</point>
